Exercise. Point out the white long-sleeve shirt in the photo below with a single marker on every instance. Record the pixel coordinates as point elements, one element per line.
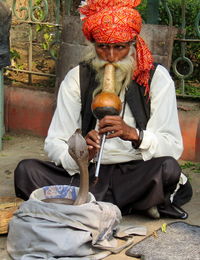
<point>162,136</point>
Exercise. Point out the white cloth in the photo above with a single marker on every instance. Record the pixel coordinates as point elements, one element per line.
<point>162,136</point>
<point>40,230</point>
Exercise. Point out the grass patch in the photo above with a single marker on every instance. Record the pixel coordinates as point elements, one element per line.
<point>194,167</point>
<point>6,138</point>
<point>190,90</point>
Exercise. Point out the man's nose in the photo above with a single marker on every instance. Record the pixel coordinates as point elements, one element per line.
<point>111,55</point>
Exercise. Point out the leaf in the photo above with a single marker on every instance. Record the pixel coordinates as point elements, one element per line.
<point>164,227</point>
<point>38,28</point>
<point>47,36</point>
<point>44,46</point>
<point>14,54</point>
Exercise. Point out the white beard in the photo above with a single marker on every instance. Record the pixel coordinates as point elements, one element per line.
<point>123,72</point>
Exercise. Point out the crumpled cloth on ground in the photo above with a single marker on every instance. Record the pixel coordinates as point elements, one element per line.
<point>40,230</point>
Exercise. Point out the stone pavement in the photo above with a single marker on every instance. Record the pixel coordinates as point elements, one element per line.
<point>18,147</point>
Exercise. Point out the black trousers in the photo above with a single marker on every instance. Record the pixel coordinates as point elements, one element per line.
<point>138,185</point>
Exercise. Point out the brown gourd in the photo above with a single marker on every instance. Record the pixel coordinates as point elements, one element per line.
<point>107,102</point>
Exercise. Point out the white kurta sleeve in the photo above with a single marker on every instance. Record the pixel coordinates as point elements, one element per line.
<point>162,136</point>
<point>66,119</point>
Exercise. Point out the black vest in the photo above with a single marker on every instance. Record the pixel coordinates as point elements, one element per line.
<point>139,103</point>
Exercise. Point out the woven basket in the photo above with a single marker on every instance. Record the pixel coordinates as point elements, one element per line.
<point>8,205</point>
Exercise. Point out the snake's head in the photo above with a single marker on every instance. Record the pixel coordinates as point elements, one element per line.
<point>77,147</point>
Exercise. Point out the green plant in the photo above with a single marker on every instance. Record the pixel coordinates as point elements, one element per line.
<point>187,165</point>
<point>192,48</point>
<point>14,55</point>
<point>46,30</point>
<point>142,8</point>
<point>48,36</point>
<point>190,89</point>
<point>195,167</point>
<point>6,138</point>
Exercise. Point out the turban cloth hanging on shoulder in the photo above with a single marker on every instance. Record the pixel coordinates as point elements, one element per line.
<point>116,21</point>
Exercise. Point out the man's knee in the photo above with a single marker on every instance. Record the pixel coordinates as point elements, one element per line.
<point>24,166</point>
<point>171,170</point>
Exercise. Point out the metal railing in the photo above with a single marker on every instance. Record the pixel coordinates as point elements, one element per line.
<point>183,40</point>
<point>39,13</point>
<point>35,16</point>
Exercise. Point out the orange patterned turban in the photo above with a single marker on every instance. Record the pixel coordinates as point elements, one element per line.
<point>114,21</point>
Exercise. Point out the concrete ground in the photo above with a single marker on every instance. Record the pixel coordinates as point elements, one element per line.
<point>18,147</point>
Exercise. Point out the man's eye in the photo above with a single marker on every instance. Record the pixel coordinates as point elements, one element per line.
<point>102,46</point>
<point>120,47</point>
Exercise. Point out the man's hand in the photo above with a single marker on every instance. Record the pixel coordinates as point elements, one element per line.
<point>93,141</point>
<point>116,127</point>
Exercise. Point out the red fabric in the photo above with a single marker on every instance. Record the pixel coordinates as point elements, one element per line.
<point>113,21</point>
<point>112,25</point>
